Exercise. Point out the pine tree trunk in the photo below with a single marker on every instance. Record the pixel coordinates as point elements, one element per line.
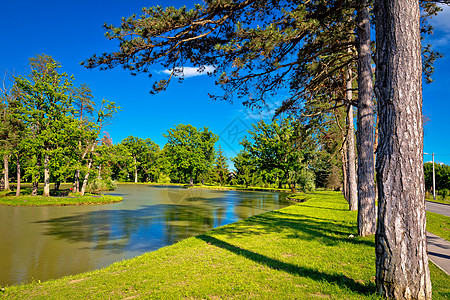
<point>6,171</point>
<point>18,174</point>
<point>366,172</point>
<point>46,176</point>
<point>401,246</point>
<point>344,171</point>
<point>351,160</point>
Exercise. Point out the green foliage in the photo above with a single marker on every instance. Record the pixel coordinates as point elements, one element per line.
<point>190,152</point>
<point>163,178</point>
<point>276,154</point>
<point>306,180</point>
<point>51,126</point>
<point>101,185</point>
<point>442,176</point>
<point>144,153</point>
<point>221,167</point>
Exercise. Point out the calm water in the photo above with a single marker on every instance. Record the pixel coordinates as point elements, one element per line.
<point>49,242</point>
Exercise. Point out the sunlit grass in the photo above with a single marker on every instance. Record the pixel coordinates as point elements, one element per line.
<point>28,200</point>
<point>307,250</point>
<point>439,225</point>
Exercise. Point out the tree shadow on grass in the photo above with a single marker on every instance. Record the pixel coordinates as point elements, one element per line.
<point>340,280</point>
<point>329,232</point>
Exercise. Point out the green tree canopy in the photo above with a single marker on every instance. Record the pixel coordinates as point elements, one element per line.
<point>190,151</point>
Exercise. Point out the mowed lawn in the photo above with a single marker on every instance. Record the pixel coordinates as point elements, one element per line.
<point>305,251</point>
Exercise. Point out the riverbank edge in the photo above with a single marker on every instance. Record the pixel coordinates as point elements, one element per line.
<point>217,259</point>
<point>40,201</point>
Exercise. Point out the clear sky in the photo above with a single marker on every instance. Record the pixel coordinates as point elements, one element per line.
<point>71,31</point>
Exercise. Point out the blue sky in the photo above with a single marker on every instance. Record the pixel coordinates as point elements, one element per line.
<point>71,31</point>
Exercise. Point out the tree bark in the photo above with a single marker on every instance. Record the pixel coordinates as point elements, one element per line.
<point>76,182</point>
<point>401,246</point>
<point>18,174</point>
<point>89,166</point>
<point>135,171</point>
<point>57,185</point>
<point>344,171</point>
<point>86,177</point>
<point>6,171</point>
<point>351,170</point>
<point>366,172</point>
<point>46,176</point>
<point>36,178</point>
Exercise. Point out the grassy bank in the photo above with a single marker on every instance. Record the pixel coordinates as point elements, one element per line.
<point>439,225</point>
<point>236,188</point>
<point>58,201</point>
<point>302,251</point>
<point>439,199</point>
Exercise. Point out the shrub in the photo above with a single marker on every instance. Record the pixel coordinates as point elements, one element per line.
<point>163,178</point>
<point>306,181</point>
<point>101,185</point>
<point>444,193</point>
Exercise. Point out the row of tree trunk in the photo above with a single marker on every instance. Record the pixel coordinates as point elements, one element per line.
<point>400,226</point>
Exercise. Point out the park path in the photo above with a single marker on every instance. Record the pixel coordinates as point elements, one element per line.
<point>438,248</point>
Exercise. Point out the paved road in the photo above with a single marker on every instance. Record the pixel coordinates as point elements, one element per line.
<point>439,208</point>
<point>439,252</point>
<point>438,248</point>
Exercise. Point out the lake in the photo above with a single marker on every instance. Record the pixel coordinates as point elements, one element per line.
<point>41,243</point>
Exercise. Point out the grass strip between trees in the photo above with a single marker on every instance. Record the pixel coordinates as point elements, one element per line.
<point>301,251</point>
<point>58,201</point>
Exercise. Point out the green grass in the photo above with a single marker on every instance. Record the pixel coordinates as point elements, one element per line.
<point>439,225</point>
<point>302,251</point>
<point>58,201</point>
<point>439,199</point>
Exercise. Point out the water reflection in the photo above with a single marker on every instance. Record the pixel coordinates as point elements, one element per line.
<point>49,242</point>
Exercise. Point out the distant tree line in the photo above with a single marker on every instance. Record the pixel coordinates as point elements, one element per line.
<point>280,154</point>
<point>442,178</point>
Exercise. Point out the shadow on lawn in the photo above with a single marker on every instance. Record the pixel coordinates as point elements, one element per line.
<point>340,280</point>
<point>330,232</point>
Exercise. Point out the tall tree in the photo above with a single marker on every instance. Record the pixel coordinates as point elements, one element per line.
<point>365,136</point>
<point>221,167</point>
<point>136,146</point>
<point>278,151</point>
<point>46,107</point>
<point>83,110</point>
<point>190,151</point>
<point>401,247</point>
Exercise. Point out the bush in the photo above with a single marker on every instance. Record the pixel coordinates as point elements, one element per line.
<point>306,181</point>
<point>444,193</point>
<point>101,185</point>
<point>163,178</point>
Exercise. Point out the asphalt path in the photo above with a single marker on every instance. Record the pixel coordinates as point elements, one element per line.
<point>439,208</point>
<point>438,248</point>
